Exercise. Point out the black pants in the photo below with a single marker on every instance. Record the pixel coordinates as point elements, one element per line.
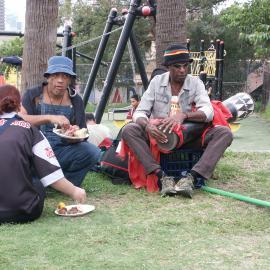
<point>22,217</point>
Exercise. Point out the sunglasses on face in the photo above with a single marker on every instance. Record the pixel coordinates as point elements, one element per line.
<point>181,65</point>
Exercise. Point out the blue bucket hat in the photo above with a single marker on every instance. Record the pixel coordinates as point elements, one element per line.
<point>60,64</point>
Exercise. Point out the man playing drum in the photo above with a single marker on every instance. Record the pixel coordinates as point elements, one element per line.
<point>188,93</point>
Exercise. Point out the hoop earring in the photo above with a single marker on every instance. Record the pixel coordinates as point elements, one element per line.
<point>71,92</point>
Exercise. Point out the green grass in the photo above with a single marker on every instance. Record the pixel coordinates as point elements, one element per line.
<point>91,107</point>
<point>133,229</point>
<point>266,113</point>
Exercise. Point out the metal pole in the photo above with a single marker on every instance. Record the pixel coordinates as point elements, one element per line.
<point>99,55</point>
<point>202,58</point>
<point>216,94</point>
<point>188,44</point>
<point>67,42</point>
<point>74,59</point>
<point>153,4</point>
<point>11,34</point>
<point>220,73</point>
<point>19,34</point>
<point>84,56</point>
<point>138,59</point>
<point>117,59</point>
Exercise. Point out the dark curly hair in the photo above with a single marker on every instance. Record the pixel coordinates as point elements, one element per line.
<point>136,97</point>
<point>10,99</point>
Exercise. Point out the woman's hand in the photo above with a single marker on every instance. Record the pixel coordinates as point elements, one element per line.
<point>79,195</point>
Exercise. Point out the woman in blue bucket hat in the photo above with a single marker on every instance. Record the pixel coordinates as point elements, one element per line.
<point>55,103</point>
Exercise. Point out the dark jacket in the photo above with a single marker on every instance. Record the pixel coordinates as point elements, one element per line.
<point>29,104</point>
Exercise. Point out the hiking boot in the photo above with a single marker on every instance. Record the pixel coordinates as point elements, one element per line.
<point>185,186</point>
<point>167,185</point>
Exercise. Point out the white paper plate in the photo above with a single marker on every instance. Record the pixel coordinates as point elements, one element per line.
<point>84,208</point>
<point>58,132</point>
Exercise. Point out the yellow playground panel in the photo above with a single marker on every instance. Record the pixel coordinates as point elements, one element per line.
<point>209,63</point>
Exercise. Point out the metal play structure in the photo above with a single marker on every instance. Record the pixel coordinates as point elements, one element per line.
<point>207,64</point>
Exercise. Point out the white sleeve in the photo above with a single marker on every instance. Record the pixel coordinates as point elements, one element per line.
<point>46,164</point>
<point>203,102</point>
<point>146,104</point>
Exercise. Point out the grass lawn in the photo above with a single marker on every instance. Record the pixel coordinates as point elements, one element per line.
<point>132,229</point>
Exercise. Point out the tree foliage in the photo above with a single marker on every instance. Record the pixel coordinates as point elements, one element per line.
<point>13,47</point>
<point>209,26</point>
<point>65,12</point>
<point>253,21</point>
<point>202,4</point>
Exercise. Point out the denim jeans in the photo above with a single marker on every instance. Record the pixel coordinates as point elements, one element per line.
<point>77,159</point>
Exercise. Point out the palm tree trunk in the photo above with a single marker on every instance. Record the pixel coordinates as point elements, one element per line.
<point>170,25</point>
<point>39,40</point>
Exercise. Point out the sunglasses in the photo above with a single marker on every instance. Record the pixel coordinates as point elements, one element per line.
<point>181,65</point>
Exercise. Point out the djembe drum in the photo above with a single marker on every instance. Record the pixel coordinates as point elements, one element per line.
<point>240,105</point>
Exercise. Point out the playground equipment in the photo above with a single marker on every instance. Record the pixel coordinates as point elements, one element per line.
<point>203,61</point>
<point>127,20</point>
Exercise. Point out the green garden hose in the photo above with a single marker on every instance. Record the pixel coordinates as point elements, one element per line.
<point>236,196</point>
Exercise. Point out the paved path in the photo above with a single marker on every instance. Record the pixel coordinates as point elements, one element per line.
<point>252,136</point>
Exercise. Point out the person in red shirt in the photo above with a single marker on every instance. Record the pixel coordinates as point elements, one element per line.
<point>134,101</point>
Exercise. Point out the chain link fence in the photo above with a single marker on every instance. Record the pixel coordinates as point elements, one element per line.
<point>234,80</point>
<point>120,91</point>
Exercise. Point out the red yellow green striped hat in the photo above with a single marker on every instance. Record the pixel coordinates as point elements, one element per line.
<point>176,54</point>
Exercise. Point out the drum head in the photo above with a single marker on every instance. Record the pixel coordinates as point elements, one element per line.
<point>171,144</point>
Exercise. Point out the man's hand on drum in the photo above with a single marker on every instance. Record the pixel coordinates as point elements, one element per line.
<point>156,133</point>
<point>169,123</point>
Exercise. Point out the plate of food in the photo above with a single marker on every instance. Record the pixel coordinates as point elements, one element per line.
<point>72,133</point>
<point>73,210</point>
